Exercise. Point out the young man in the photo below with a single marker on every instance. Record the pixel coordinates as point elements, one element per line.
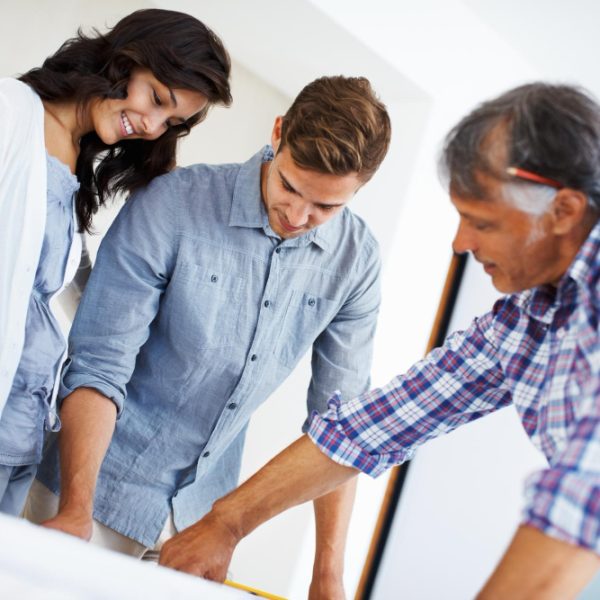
<point>524,176</point>
<point>208,289</point>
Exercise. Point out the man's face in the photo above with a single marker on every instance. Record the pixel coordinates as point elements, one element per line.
<point>298,200</point>
<point>517,249</point>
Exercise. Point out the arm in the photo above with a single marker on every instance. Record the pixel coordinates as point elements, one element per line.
<point>297,474</point>
<point>332,517</point>
<point>538,566</point>
<point>112,323</point>
<point>341,359</point>
<point>88,422</point>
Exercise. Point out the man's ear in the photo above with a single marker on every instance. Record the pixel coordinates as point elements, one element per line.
<point>276,134</point>
<point>569,210</point>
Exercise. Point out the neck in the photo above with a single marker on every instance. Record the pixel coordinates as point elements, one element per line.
<point>572,244</point>
<point>75,122</point>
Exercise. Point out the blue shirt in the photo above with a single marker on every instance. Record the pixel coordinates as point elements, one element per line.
<point>539,350</point>
<point>194,313</point>
<point>28,405</point>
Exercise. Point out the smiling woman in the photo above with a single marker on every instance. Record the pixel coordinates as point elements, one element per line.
<point>148,111</point>
<point>100,116</point>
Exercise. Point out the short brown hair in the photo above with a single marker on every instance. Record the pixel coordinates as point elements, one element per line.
<point>337,125</point>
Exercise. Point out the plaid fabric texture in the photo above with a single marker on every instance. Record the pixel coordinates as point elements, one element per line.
<point>538,350</point>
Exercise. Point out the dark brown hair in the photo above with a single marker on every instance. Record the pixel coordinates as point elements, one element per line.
<point>180,51</point>
<point>337,125</point>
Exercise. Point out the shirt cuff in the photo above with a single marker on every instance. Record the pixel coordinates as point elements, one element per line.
<point>328,434</point>
<point>565,506</point>
<point>72,381</point>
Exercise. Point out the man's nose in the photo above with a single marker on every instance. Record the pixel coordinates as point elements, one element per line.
<point>297,214</point>
<point>464,240</point>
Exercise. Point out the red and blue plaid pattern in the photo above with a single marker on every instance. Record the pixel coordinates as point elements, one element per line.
<point>539,350</point>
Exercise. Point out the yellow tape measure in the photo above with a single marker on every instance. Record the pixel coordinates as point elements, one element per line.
<point>252,591</point>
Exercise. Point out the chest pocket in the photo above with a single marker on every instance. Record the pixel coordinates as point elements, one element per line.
<point>306,316</point>
<point>212,311</point>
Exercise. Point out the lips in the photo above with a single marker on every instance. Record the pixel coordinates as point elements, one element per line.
<point>286,226</point>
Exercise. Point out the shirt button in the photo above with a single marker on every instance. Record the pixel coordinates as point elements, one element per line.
<point>232,406</point>
<point>253,357</point>
<point>277,250</point>
<point>206,454</point>
<point>266,304</point>
<point>311,302</point>
<point>214,278</point>
<point>560,334</point>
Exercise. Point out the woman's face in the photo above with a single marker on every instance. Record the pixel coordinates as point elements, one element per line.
<point>148,111</point>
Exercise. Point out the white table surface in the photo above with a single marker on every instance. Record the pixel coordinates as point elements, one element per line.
<point>41,564</point>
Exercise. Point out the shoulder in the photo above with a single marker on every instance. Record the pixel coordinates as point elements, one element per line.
<point>356,237</point>
<point>188,191</point>
<point>17,96</point>
<point>195,178</point>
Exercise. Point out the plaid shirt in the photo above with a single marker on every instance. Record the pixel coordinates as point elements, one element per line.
<point>539,350</point>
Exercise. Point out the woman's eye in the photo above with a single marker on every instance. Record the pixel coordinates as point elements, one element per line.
<point>157,99</point>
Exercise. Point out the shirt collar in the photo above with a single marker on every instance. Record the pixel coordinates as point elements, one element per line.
<point>248,210</point>
<point>587,261</point>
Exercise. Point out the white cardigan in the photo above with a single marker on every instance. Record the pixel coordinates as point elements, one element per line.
<point>23,197</point>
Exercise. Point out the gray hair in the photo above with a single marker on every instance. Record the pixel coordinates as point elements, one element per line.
<point>551,130</point>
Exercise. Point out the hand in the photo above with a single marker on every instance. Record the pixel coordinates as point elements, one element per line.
<point>74,523</point>
<point>203,549</point>
<point>326,588</point>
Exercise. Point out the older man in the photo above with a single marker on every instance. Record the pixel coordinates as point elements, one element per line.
<point>524,176</point>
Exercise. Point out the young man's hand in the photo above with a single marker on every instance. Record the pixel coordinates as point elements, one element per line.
<point>203,549</point>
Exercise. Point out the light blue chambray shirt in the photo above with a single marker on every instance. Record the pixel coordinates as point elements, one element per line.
<point>194,314</point>
<point>28,407</point>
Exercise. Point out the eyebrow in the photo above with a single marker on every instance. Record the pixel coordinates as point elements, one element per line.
<point>288,184</point>
<point>173,98</point>
<point>295,191</point>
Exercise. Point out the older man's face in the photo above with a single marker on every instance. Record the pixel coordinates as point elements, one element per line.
<point>517,249</point>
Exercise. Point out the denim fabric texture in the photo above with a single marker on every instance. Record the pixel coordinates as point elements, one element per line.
<point>28,405</point>
<point>195,312</point>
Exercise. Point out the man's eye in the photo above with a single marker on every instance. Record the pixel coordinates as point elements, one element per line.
<point>327,207</point>
<point>482,226</point>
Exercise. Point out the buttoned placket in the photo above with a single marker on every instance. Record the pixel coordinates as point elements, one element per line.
<point>236,407</point>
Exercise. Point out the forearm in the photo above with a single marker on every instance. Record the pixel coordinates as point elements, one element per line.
<point>88,421</point>
<point>298,474</point>
<point>332,517</point>
<point>538,566</point>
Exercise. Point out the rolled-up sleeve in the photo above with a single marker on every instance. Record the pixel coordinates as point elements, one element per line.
<point>123,294</point>
<point>563,501</point>
<point>342,353</point>
<point>455,384</point>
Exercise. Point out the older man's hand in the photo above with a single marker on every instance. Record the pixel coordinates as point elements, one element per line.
<point>203,549</point>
